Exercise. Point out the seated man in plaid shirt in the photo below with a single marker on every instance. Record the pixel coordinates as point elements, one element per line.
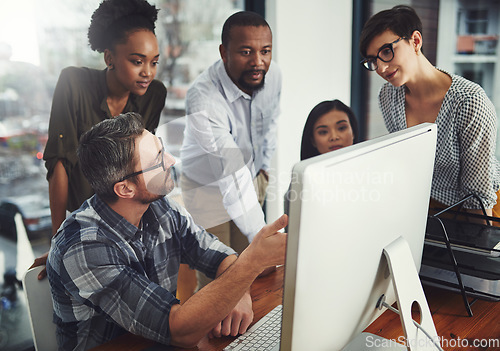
<point>114,262</point>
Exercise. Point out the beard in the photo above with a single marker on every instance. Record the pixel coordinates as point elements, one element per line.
<point>251,87</point>
<point>156,188</point>
<point>147,198</point>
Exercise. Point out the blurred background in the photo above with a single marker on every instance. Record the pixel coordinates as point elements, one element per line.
<point>40,37</point>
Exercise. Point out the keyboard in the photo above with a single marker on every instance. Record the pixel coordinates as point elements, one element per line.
<point>262,336</point>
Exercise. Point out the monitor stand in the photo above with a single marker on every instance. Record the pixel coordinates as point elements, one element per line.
<point>408,290</point>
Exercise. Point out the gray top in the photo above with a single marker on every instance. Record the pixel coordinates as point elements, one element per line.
<point>466,142</point>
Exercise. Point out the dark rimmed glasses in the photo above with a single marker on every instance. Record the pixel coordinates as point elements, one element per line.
<point>161,164</point>
<point>385,54</point>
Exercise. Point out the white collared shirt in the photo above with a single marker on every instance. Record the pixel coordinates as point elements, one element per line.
<point>229,137</point>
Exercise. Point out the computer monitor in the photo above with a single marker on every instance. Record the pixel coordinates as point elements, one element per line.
<point>346,206</point>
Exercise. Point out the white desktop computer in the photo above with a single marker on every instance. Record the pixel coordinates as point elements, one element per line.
<point>355,239</point>
<point>356,232</point>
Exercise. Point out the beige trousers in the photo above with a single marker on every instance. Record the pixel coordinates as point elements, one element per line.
<point>228,232</point>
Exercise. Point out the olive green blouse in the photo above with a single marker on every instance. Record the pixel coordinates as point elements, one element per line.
<point>79,102</point>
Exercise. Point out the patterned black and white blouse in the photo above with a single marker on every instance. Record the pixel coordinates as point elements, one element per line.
<point>466,141</point>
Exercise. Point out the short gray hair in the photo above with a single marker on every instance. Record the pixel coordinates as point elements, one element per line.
<point>106,152</point>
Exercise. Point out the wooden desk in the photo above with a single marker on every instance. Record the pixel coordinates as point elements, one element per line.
<point>452,323</point>
<point>266,294</point>
<point>456,330</point>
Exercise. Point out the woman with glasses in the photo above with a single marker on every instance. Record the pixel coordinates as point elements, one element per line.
<point>417,92</point>
<point>124,31</point>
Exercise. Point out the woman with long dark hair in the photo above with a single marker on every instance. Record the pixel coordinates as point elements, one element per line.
<point>331,125</point>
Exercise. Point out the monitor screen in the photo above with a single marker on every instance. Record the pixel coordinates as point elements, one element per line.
<point>345,207</point>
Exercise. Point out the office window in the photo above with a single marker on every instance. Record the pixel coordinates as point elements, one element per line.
<point>471,49</point>
<point>475,21</point>
<point>189,39</point>
<point>38,38</point>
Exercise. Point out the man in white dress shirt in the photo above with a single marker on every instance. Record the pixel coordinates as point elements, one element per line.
<point>230,135</point>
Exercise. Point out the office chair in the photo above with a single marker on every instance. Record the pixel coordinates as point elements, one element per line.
<point>40,310</point>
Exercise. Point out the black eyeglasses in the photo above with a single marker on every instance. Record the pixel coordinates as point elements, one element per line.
<point>161,164</point>
<point>385,54</point>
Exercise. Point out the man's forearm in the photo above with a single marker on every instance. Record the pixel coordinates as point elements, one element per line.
<point>198,315</point>
<point>225,264</point>
<point>209,306</point>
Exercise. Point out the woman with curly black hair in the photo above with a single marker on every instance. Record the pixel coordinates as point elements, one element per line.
<point>124,31</point>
